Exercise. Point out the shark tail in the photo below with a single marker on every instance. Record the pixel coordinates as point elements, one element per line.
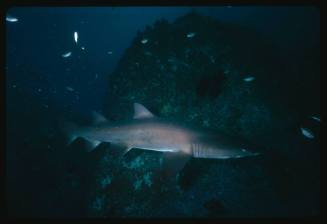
<point>70,131</point>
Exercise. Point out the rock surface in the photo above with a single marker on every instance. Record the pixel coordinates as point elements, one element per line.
<point>199,79</point>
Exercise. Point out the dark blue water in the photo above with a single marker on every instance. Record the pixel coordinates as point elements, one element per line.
<point>43,89</point>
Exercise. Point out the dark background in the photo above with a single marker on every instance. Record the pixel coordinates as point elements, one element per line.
<point>37,77</point>
<point>36,42</point>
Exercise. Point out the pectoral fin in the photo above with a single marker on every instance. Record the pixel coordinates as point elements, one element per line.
<point>119,149</point>
<point>91,145</point>
<point>173,162</point>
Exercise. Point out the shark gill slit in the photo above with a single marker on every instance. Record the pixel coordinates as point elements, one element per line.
<point>197,150</point>
<point>201,151</point>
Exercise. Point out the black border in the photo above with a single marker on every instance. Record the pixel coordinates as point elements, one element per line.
<point>83,3</point>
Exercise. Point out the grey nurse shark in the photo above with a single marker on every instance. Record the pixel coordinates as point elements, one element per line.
<point>148,132</point>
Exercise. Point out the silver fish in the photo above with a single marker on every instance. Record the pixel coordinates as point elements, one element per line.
<point>144,41</point>
<point>316,118</point>
<point>66,55</point>
<point>249,79</point>
<point>75,37</point>
<point>70,89</point>
<point>11,19</point>
<point>307,133</point>
<point>190,35</point>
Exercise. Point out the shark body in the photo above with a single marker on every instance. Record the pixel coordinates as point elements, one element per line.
<point>148,132</point>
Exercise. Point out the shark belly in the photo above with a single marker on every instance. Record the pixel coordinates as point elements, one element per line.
<point>156,149</point>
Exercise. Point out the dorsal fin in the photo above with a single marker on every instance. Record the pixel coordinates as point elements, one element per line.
<point>141,112</point>
<point>98,118</point>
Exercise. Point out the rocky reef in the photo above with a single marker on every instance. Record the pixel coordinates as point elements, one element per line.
<point>212,74</point>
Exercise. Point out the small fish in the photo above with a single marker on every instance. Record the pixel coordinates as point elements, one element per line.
<point>249,79</point>
<point>75,37</point>
<point>11,19</point>
<point>316,118</point>
<point>96,76</point>
<point>307,133</point>
<point>70,89</point>
<point>83,48</point>
<point>190,35</point>
<point>144,41</point>
<point>109,52</point>
<point>66,55</point>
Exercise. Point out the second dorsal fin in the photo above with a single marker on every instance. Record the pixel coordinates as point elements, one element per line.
<point>98,118</point>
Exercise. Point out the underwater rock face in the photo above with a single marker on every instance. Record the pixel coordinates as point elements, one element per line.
<point>197,79</point>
